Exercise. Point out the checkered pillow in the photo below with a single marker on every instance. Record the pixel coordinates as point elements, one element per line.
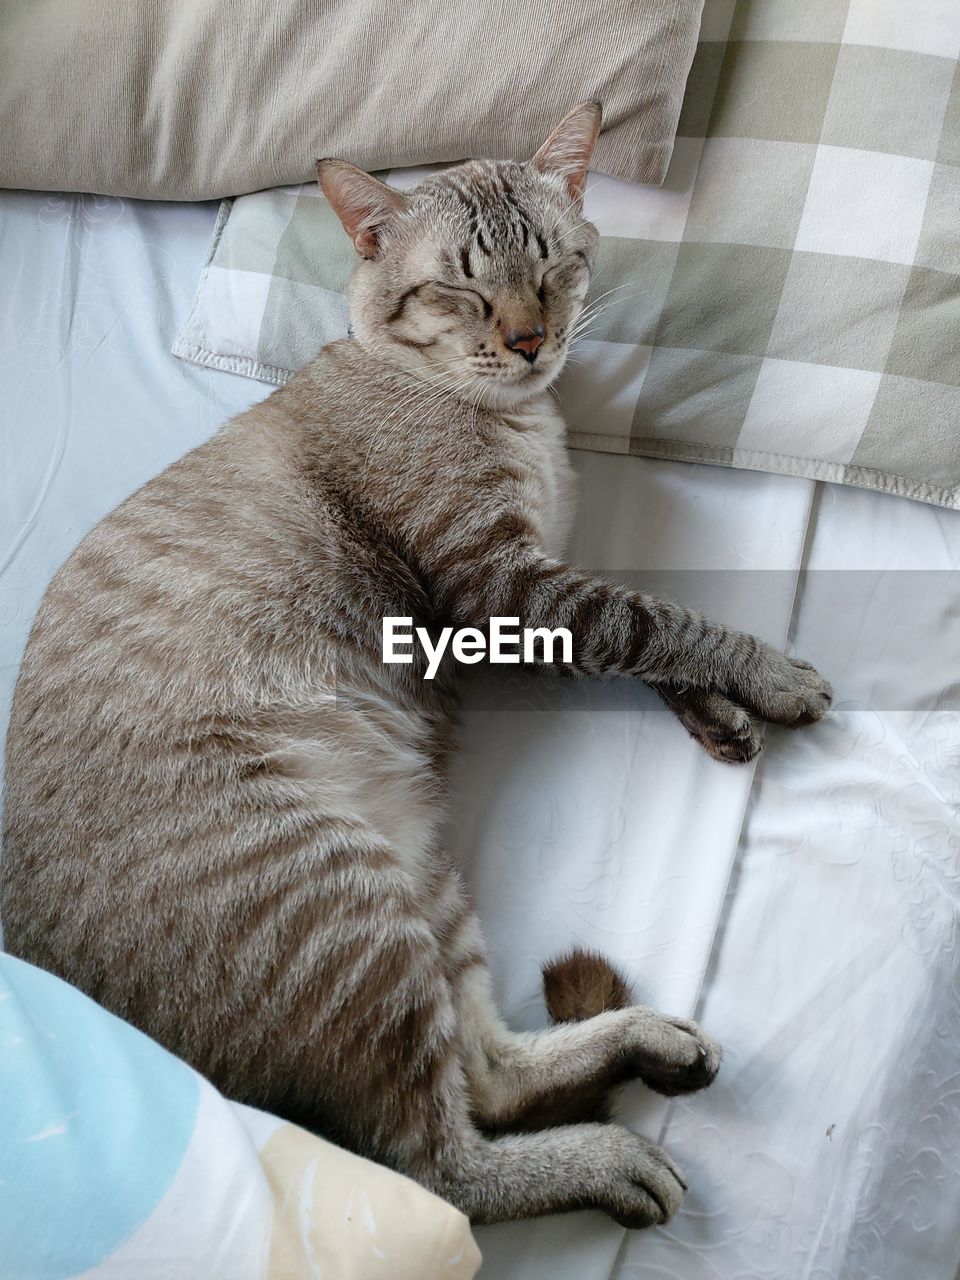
<point>788,301</point>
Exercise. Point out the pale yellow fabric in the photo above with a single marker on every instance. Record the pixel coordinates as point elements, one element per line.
<point>194,99</point>
<point>338,1217</point>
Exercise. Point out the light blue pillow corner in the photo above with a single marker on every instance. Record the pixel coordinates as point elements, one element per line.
<point>95,1119</point>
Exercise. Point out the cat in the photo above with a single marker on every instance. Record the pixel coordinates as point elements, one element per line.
<point>224,811</point>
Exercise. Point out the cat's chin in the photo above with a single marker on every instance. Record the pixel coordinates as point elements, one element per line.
<point>508,394</point>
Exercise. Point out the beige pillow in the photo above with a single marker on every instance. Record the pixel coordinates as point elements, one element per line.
<point>342,1217</point>
<point>790,299</point>
<point>195,99</point>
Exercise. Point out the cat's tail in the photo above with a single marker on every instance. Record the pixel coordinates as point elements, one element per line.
<point>581,984</point>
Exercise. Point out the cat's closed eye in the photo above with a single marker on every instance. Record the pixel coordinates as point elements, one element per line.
<point>456,288</point>
<point>464,292</point>
<point>563,274</point>
<point>554,277</point>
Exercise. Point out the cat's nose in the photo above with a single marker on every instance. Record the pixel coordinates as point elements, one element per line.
<point>526,341</point>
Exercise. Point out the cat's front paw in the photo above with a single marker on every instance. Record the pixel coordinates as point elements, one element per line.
<point>724,730</point>
<point>780,689</point>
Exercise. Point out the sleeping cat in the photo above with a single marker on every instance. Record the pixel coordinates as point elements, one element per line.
<point>224,811</point>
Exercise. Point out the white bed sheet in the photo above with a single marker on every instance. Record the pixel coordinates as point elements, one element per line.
<point>805,908</point>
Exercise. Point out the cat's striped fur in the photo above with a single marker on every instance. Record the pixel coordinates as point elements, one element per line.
<point>223,810</point>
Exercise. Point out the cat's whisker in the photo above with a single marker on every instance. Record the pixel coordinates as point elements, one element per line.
<point>617,288</point>
<point>430,399</point>
<point>430,402</point>
<point>591,187</point>
<point>563,235</point>
<point>562,212</point>
<point>476,406</point>
<point>586,319</point>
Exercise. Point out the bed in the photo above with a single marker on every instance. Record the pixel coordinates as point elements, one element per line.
<point>804,908</point>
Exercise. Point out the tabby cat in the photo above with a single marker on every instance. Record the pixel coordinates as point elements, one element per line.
<point>224,810</point>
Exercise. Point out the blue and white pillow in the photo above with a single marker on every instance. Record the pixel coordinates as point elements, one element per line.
<point>119,1162</point>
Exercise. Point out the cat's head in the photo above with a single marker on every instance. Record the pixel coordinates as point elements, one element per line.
<point>474,279</point>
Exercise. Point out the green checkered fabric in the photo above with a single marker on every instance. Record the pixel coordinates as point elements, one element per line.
<point>788,301</point>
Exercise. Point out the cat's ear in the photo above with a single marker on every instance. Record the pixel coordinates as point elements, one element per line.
<point>568,150</point>
<point>364,204</point>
